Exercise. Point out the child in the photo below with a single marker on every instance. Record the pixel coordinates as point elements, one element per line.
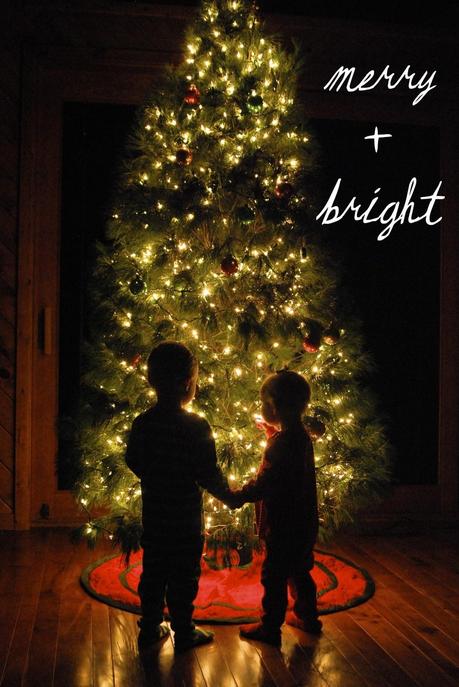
<point>173,454</point>
<point>286,484</point>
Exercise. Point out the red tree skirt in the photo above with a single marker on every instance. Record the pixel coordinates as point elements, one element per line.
<point>234,594</point>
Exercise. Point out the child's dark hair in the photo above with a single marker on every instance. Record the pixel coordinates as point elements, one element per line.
<point>169,365</point>
<point>289,390</point>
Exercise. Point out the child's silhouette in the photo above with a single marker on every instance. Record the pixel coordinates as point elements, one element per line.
<point>286,486</point>
<point>173,454</point>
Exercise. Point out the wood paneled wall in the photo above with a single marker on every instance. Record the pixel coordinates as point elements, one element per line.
<point>9,175</point>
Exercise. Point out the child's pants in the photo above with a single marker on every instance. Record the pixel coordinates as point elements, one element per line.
<point>287,563</point>
<point>170,575</point>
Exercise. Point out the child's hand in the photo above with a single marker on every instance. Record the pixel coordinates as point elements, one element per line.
<point>269,430</point>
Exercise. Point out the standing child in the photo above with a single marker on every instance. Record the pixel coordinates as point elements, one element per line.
<point>286,485</point>
<point>173,454</point>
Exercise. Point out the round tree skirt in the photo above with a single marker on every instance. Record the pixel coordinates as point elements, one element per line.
<point>231,595</point>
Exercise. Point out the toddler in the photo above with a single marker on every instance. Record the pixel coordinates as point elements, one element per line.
<point>172,452</point>
<point>286,486</point>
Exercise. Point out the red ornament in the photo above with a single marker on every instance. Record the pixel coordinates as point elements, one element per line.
<point>311,343</point>
<point>184,156</point>
<point>229,265</point>
<point>192,96</point>
<point>284,190</point>
<point>136,360</point>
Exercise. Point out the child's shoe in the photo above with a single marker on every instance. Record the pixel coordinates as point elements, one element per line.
<point>261,633</point>
<point>147,638</point>
<point>312,626</point>
<point>195,638</point>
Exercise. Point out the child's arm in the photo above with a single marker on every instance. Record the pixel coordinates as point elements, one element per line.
<point>255,489</point>
<point>208,474</point>
<point>268,476</point>
<point>133,455</point>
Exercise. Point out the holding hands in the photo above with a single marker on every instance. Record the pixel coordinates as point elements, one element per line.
<point>236,499</point>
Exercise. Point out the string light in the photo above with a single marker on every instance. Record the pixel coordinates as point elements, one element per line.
<point>200,312</point>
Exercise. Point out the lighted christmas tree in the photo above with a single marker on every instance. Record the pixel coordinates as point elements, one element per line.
<point>212,242</point>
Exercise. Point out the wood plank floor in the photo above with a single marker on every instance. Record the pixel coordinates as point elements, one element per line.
<point>52,634</point>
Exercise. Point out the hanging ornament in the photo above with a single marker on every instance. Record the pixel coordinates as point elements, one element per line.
<point>136,286</point>
<point>229,265</point>
<point>314,427</point>
<point>283,190</point>
<point>245,214</point>
<point>192,96</point>
<point>255,104</point>
<point>311,343</point>
<point>184,156</point>
<point>331,335</point>
<point>312,340</point>
<point>136,360</point>
<point>214,97</point>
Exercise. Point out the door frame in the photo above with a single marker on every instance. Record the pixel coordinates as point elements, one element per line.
<point>124,77</point>
<point>52,79</point>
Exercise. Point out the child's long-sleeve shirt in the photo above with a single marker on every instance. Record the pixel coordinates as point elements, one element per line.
<point>286,485</point>
<point>173,454</point>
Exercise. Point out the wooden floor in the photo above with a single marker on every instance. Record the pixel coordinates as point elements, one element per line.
<point>53,634</point>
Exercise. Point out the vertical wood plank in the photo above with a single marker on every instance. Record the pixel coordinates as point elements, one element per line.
<point>6,485</point>
<point>28,562</point>
<point>74,654</point>
<point>127,668</point>
<point>332,667</point>
<point>42,655</point>
<point>164,668</point>
<point>6,448</point>
<point>102,660</point>
<point>214,666</point>
<point>6,412</point>
<point>25,312</point>
<point>9,605</point>
<point>242,657</point>
<point>274,661</point>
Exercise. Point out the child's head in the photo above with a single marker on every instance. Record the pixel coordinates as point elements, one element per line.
<point>285,396</point>
<point>173,371</point>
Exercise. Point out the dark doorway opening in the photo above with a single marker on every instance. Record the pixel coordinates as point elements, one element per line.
<point>94,140</point>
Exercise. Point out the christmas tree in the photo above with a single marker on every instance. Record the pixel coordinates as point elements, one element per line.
<point>212,242</point>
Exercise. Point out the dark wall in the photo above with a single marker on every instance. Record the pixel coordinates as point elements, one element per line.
<point>9,175</point>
